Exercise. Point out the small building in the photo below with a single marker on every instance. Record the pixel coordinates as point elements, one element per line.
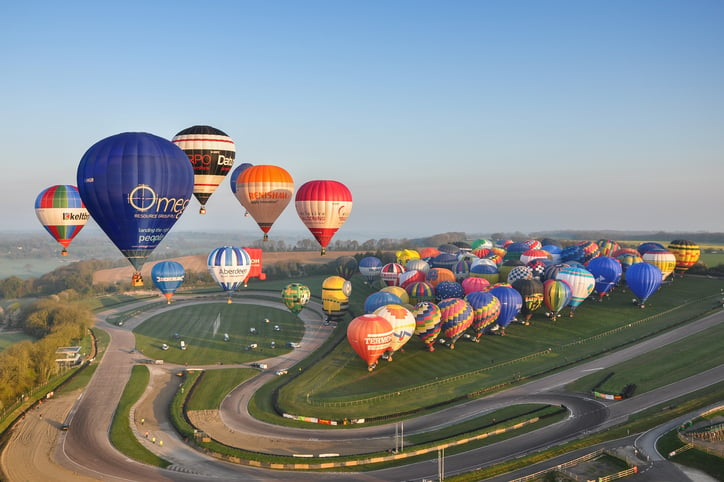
<point>68,355</point>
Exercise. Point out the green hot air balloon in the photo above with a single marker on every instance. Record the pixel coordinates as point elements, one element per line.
<point>296,296</point>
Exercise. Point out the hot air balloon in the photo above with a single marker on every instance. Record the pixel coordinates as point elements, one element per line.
<point>264,191</point>
<point>296,296</point>
<point>519,272</point>
<point>444,260</point>
<point>370,267</point>
<point>662,259</point>
<point>229,266</point>
<point>62,213</point>
<point>481,244</point>
<point>606,272</point>
<point>379,299</point>
<point>644,248</point>
<point>510,304</point>
<point>456,316</point>
<point>427,321</point>
<point>391,272</point>
<point>417,264</point>
<point>335,297</point>
<point>488,272</point>
<point>472,284</point>
<point>590,250</point>
<point>531,290</point>
<point>556,296</point>
<point>514,251</point>
<point>608,247</point>
<point>168,276</point>
<point>369,336</point>
<point>572,253</point>
<point>428,253</point>
<point>403,326</point>
<point>449,289</point>
<point>234,176</point>
<point>486,309</point>
<point>552,270</point>
<point>211,153</point>
<point>582,283</point>
<point>643,279</point>
<point>404,255</point>
<point>135,186</point>
<point>346,266</point>
<point>687,254</point>
<point>435,276</point>
<point>399,291</point>
<point>532,254</point>
<point>323,207</point>
<point>408,277</point>
<point>420,291</point>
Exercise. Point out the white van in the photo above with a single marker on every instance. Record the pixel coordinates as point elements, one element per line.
<point>164,347</point>
<point>183,345</point>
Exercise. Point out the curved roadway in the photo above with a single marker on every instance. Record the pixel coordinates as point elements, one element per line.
<point>86,450</point>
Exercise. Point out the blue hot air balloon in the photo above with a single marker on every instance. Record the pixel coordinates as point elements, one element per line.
<point>643,279</point>
<point>380,299</point>
<point>511,303</point>
<point>370,267</point>
<point>235,175</point>
<point>168,276</point>
<point>135,186</point>
<point>606,272</point>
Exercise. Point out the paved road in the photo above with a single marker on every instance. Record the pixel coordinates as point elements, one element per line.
<point>86,449</point>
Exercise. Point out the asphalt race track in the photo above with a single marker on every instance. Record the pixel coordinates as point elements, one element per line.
<point>86,451</point>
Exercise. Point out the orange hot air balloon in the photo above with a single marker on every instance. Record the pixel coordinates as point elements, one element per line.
<point>265,191</point>
<point>323,207</point>
<point>370,336</point>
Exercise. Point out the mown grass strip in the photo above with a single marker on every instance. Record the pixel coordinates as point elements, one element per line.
<point>216,385</point>
<point>121,434</point>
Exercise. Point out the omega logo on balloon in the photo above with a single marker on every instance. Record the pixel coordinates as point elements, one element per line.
<point>143,198</point>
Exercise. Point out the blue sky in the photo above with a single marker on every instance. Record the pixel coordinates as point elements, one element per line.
<point>473,116</point>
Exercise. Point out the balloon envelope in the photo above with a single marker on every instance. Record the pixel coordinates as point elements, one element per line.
<point>346,266</point>
<point>427,322</point>
<point>62,213</point>
<point>229,266</point>
<point>369,336</point>
<point>511,303</point>
<point>296,296</point>
<point>486,309</point>
<point>135,186</point>
<point>556,296</point>
<point>264,191</point>
<point>643,279</point>
<point>168,276</point>
<point>606,272</point>
<point>234,176</point>
<point>323,206</point>
<point>379,299</point>
<point>403,325</point>
<point>581,281</point>
<point>211,153</point>
<point>370,267</point>
<point>335,297</point>
<point>456,316</point>
<point>686,252</point>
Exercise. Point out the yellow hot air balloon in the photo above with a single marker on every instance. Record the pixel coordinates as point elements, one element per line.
<point>265,191</point>
<point>687,254</point>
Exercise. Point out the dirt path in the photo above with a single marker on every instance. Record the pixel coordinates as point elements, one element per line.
<point>29,453</point>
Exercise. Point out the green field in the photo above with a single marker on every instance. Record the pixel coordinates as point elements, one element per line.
<point>676,361</point>
<point>197,326</point>
<point>9,338</point>
<point>339,385</point>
